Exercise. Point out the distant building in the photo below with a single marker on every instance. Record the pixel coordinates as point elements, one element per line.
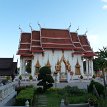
<point>61,50</point>
<point>8,67</point>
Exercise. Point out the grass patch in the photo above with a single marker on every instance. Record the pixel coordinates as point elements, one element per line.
<point>24,95</point>
<point>54,99</point>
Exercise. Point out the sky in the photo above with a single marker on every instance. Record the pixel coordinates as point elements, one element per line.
<point>89,15</point>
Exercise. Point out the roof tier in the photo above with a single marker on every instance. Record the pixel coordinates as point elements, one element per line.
<point>57,39</point>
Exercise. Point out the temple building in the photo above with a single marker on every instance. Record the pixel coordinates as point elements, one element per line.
<point>8,67</point>
<point>68,54</point>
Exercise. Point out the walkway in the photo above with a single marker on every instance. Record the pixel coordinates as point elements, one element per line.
<point>40,101</point>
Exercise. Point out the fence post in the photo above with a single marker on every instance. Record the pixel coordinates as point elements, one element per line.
<point>62,103</point>
<point>27,103</point>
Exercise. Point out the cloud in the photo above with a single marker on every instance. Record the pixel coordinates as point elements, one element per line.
<point>105,7</point>
<point>104,1</point>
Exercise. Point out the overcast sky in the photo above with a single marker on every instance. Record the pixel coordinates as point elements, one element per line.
<point>90,15</point>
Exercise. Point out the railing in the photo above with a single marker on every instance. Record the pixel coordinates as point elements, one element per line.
<point>7,90</point>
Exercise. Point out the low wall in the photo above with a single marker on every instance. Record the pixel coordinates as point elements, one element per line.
<point>7,92</point>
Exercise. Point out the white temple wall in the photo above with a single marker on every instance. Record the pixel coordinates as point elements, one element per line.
<point>53,57</point>
<point>74,61</point>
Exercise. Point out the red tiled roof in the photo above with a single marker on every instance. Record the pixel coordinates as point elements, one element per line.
<point>56,39</point>
<point>89,54</point>
<point>83,40</point>
<point>24,46</point>
<point>25,38</point>
<point>74,37</point>
<point>54,33</point>
<point>59,39</point>
<point>35,42</point>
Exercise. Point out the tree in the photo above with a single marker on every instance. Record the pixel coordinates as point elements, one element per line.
<point>45,78</point>
<point>101,63</point>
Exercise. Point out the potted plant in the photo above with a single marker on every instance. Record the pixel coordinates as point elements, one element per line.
<point>93,76</point>
<point>20,77</point>
<point>81,77</point>
<point>30,77</point>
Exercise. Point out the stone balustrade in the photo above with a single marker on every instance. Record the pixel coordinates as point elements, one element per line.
<point>7,92</point>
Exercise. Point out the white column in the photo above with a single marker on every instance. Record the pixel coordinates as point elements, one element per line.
<point>68,76</point>
<point>91,67</point>
<point>22,66</point>
<point>92,70</point>
<point>32,67</point>
<point>57,77</point>
<point>81,68</point>
<point>87,66</point>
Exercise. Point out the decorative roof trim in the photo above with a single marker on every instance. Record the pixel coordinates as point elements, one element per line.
<point>41,40</point>
<point>57,43</point>
<point>24,49</point>
<point>25,43</point>
<point>36,40</point>
<point>35,46</point>
<point>80,42</point>
<point>53,38</point>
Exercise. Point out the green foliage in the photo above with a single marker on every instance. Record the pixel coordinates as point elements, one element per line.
<point>20,77</point>
<point>73,91</point>
<point>81,77</point>
<point>54,99</point>
<point>45,78</point>
<point>78,99</point>
<point>92,99</point>
<point>102,103</point>
<point>93,76</point>
<point>7,78</point>
<point>39,90</point>
<point>24,95</point>
<point>100,61</point>
<point>18,89</point>
<point>30,77</point>
<point>99,87</point>
<point>57,94</point>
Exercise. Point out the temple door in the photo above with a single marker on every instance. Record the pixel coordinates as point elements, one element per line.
<point>63,73</point>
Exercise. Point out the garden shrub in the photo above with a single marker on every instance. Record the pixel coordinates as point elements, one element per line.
<point>81,77</point>
<point>99,87</point>
<point>18,89</point>
<point>74,90</point>
<point>39,90</point>
<point>24,95</point>
<point>30,77</point>
<point>20,77</point>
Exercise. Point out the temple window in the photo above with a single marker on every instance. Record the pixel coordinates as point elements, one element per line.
<point>28,66</point>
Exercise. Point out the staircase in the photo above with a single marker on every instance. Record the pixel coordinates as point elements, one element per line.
<point>41,101</point>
